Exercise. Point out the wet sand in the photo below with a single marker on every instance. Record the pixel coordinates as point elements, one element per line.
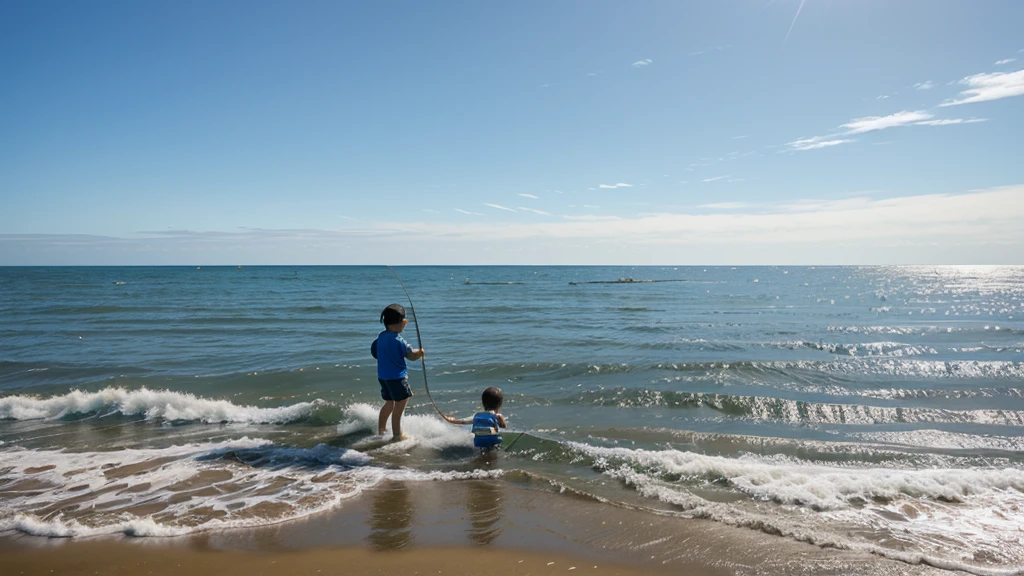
<point>90,558</point>
<point>454,528</point>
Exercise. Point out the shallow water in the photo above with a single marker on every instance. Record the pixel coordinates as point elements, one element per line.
<point>874,408</point>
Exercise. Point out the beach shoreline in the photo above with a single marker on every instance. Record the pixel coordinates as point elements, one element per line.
<point>453,528</point>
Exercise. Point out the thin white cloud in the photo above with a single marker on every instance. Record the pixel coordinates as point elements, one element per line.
<point>741,137</point>
<point>817,142</point>
<point>350,218</point>
<point>725,206</point>
<point>535,211</point>
<point>950,121</point>
<point>530,196</point>
<point>499,207</point>
<point>926,85</point>
<point>1005,61</point>
<point>797,15</point>
<point>468,212</point>
<point>706,50</point>
<point>619,185</point>
<point>994,86</point>
<point>866,124</point>
<point>642,63</point>
<point>716,178</point>
<point>882,97</point>
<point>872,123</point>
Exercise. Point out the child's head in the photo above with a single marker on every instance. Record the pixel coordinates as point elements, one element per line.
<point>393,317</point>
<point>492,398</point>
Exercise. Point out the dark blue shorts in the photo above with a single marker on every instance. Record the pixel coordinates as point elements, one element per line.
<point>396,390</point>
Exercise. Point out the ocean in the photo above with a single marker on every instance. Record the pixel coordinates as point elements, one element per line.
<point>878,409</point>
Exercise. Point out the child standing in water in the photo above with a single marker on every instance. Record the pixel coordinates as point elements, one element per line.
<point>486,423</point>
<point>391,352</point>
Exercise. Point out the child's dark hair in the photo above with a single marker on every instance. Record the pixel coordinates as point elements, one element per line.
<point>492,398</point>
<point>393,314</point>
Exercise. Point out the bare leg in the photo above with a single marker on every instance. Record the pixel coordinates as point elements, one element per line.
<point>385,412</point>
<point>396,418</point>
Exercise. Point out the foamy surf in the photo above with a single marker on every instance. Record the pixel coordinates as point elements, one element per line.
<point>426,431</point>
<point>184,489</point>
<point>151,404</point>
<point>962,519</point>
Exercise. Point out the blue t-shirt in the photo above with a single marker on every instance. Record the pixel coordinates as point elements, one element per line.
<point>391,352</point>
<point>485,430</point>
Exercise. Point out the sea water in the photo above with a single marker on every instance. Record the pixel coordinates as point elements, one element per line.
<point>867,408</point>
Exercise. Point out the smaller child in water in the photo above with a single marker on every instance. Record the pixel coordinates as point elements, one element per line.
<point>486,423</point>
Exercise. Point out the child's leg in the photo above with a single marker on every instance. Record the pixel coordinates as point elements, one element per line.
<point>396,418</point>
<point>385,411</point>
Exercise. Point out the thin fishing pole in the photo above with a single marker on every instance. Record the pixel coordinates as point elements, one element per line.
<point>419,340</point>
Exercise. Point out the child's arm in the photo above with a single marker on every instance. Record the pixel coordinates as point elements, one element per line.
<point>455,420</point>
<point>414,354</point>
<point>501,421</point>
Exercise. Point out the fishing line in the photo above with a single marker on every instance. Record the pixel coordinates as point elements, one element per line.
<point>419,340</point>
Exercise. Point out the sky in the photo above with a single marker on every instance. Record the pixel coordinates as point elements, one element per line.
<point>529,132</point>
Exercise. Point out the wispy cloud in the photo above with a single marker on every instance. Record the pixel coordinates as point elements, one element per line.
<point>985,87</point>
<point>741,137</point>
<point>642,63</point>
<point>619,185</point>
<point>926,85</point>
<point>499,207</point>
<point>535,211</point>
<point>950,121</point>
<point>872,123</point>
<point>716,178</point>
<point>530,196</point>
<point>882,97</point>
<point>797,15</point>
<point>1005,61</point>
<point>468,212</point>
<point>867,124</point>
<point>706,50</point>
<point>816,142</point>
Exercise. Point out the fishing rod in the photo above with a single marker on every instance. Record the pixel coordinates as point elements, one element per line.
<point>419,340</point>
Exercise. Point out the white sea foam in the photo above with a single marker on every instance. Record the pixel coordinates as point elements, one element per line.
<point>943,440</point>
<point>784,480</point>
<point>951,542</point>
<point>150,403</point>
<point>186,488</point>
<point>428,431</point>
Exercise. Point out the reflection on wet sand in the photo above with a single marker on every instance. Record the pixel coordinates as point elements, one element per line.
<point>391,517</point>
<point>485,503</point>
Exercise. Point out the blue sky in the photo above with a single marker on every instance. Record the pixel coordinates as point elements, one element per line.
<point>743,132</point>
